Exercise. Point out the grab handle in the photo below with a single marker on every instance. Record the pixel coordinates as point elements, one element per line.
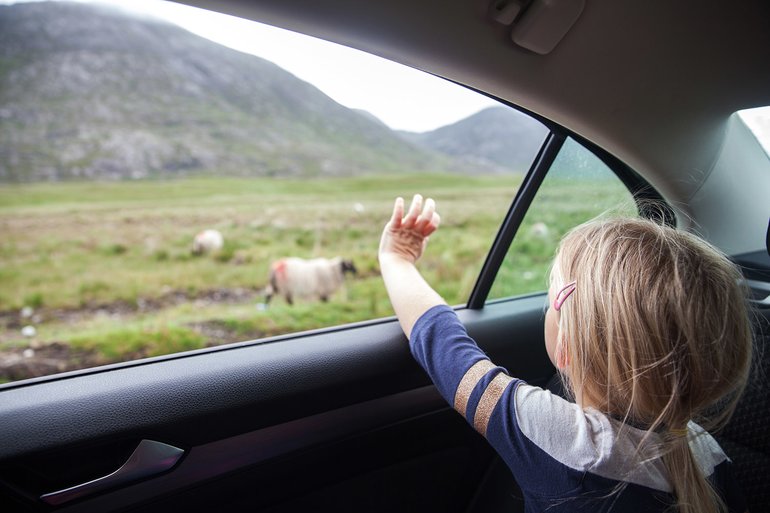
<point>148,459</point>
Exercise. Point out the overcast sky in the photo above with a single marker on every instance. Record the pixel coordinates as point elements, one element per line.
<point>403,98</point>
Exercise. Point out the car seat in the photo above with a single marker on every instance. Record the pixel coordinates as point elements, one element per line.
<point>746,438</point>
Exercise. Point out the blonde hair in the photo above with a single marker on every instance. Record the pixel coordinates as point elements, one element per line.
<point>657,332</point>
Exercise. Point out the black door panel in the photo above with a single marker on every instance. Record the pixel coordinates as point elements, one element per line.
<point>335,413</point>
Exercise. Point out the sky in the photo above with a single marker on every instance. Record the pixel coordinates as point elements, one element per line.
<point>403,98</point>
<point>758,120</point>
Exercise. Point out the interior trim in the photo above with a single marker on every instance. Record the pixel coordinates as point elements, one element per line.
<point>217,458</point>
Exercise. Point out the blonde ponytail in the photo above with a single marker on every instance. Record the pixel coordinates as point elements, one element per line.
<point>693,491</point>
<point>658,334</point>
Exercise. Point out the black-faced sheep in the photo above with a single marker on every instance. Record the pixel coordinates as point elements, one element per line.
<point>297,278</point>
<point>207,241</point>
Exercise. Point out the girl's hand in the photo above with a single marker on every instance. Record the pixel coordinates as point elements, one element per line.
<point>405,238</point>
<point>403,241</point>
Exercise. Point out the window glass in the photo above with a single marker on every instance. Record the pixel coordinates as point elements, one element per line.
<point>758,121</point>
<point>151,178</point>
<point>578,187</point>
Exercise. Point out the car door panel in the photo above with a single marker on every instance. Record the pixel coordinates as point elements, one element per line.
<point>326,400</point>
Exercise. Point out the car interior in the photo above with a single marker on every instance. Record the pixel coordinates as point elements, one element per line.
<point>342,418</point>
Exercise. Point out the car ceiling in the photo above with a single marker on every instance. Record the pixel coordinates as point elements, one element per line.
<point>652,82</point>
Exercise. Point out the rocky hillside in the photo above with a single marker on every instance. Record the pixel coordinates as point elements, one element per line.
<point>497,136</point>
<point>88,91</point>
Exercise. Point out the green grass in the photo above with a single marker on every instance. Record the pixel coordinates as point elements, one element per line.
<point>92,247</point>
<point>86,244</point>
<point>561,204</point>
<point>89,248</point>
<point>137,341</point>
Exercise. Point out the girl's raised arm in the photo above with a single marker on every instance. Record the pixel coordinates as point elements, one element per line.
<point>402,244</point>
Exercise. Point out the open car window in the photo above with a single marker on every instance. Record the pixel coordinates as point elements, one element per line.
<point>152,190</point>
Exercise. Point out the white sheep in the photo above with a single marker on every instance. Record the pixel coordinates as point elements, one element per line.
<point>207,241</point>
<point>540,230</point>
<point>317,278</point>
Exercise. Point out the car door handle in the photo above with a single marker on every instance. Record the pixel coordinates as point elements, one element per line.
<point>148,459</point>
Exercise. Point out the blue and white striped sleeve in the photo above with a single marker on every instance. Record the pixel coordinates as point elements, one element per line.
<point>528,427</point>
<point>461,371</point>
<point>547,442</point>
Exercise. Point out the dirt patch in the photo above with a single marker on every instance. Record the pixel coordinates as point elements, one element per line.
<point>46,359</point>
<point>40,359</point>
<point>16,319</point>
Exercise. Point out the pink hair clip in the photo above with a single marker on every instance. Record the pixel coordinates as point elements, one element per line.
<point>563,294</point>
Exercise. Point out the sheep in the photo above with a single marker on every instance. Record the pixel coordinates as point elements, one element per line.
<point>207,241</point>
<point>540,230</point>
<point>295,277</point>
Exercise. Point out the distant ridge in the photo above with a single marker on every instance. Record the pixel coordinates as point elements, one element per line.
<point>368,115</point>
<point>496,136</point>
<point>90,92</point>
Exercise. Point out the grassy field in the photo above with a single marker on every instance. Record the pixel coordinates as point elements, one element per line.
<point>107,269</point>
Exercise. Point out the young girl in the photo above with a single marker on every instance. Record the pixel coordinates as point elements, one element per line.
<point>649,330</point>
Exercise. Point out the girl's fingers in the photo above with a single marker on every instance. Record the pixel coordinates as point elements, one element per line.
<point>414,211</point>
<point>427,215</point>
<point>398,213</point>
<point>432,225</point>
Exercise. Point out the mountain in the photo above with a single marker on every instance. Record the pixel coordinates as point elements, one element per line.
<point>497,136</point>
<point>92,92</point>
<point>368,115</point>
